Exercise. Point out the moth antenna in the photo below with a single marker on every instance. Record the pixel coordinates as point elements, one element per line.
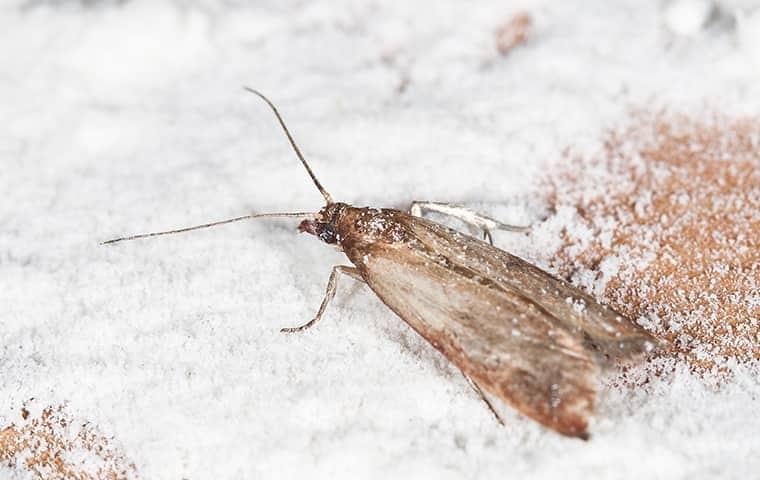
<point>212,224</point>
<point>328,197</point>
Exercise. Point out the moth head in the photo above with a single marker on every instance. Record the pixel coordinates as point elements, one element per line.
<point>325,224</point>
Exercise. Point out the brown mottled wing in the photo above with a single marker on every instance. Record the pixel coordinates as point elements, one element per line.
<point>486,312</point>
<point>604,329</point>
<point>509,345</point>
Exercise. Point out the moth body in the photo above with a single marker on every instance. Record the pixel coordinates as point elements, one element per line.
<point>522,335</point>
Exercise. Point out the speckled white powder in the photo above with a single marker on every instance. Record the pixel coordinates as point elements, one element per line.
<point>122,117</point>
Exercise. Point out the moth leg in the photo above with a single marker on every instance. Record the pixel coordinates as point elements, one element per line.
<point>477,220</point>
<point>332,285</point>
<point>483,397</point>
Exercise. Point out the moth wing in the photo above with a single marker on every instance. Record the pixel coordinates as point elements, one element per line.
<point>508,344</point>
<point>607,331</point>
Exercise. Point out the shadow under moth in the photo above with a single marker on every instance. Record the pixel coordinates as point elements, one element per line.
<point>517,333</point>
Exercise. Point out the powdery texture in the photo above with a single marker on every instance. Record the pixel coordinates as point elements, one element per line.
<point>127,116</point>
<point>668,230</point>
<point>51,444</point>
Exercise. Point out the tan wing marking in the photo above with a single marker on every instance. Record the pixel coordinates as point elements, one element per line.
<point>608,331</point>
<point>510,346</point>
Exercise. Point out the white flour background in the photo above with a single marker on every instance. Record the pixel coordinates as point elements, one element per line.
<point>124,117</point>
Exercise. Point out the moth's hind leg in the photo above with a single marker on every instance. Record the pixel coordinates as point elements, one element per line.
<point>484,398</point>
<point>474,219</point>
<point>332,285</point>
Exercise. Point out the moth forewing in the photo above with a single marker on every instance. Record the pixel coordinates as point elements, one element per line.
<point>506,324</point>
<point>506,343</point>
<point>606,330</point>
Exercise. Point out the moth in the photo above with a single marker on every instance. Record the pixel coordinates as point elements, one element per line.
<point>517,333</point>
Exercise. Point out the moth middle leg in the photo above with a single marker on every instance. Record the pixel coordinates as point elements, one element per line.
<point>332,285</point>
<point>470,217</point>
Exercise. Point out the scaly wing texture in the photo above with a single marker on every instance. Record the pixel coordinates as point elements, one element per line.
<point>508,344</point>
<point>604,329</point>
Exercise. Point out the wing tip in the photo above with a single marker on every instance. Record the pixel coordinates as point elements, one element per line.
<point>581,434</point>
<point>585,436</point>
<point>633,348</point>
<point>574,426</point>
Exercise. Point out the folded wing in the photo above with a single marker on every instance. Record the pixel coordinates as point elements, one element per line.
<point>509,345</point>
<point>605,330</point>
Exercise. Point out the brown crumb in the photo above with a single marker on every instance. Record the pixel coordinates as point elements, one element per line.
<point>50,447</point>
<point>672,210</point>
<point>513,32</point>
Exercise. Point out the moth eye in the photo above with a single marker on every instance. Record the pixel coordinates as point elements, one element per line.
<point>327,234</point>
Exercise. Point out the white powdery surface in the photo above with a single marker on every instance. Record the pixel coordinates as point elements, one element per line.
<point>122,117</point>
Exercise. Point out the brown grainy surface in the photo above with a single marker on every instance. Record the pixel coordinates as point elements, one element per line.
<point>669,214</point>
<point>52,445</point>
<point>513,32</point>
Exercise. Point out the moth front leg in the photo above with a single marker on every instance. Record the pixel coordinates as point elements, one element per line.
<point>460,212</point>
<point>332,285</point>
